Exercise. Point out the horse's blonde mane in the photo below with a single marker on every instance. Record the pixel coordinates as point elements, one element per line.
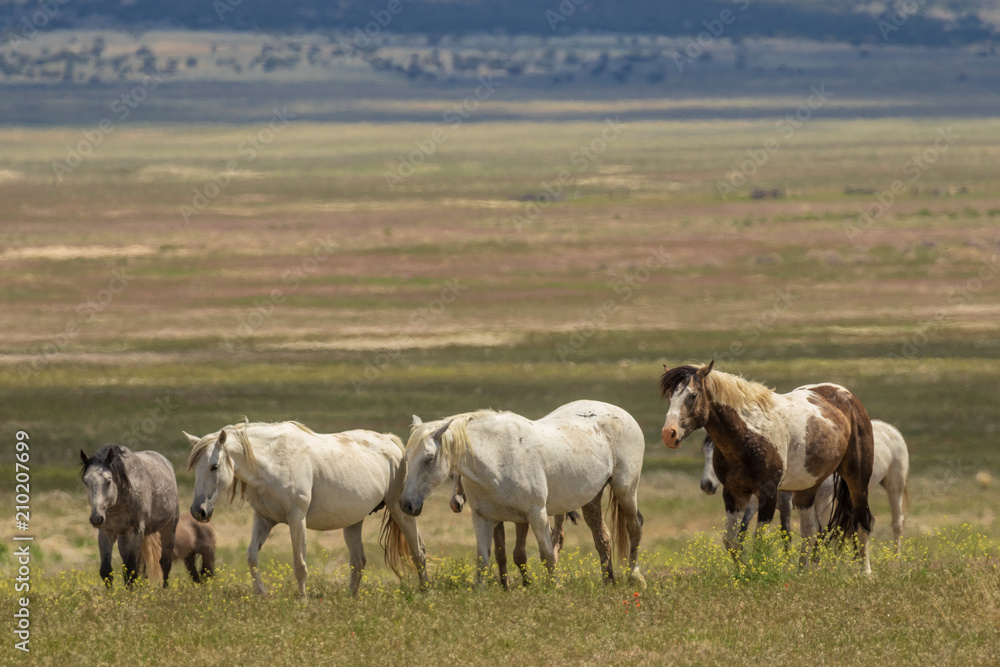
<point>455,441</point>
<point>737,392</point>
<point>239,432</point>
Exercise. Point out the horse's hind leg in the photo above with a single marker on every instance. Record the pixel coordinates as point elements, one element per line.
<point>558,535</point>
<point>261,529</point>
<point>897,491</point>
<point>628,511</point>
<point>352,536</point>
<point>804,502</point>
<point>500,553</point>
<point>521,551</point>
<point>602,538</point>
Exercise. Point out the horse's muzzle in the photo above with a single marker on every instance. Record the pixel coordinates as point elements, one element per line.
<point>410,507</point>
<point>669,437</point>
<point>456,504</point>
<point>96,520</point>
<point>200,514</point>
<point>708,487</point>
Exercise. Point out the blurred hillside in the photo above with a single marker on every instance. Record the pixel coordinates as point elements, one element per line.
<point>923,22</point>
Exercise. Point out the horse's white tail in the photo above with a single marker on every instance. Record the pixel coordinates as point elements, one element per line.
<point>151,551</point>
<point>619,528</point>
<point>394,543</point>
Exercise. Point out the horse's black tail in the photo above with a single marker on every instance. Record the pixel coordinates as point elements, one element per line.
<point>842,517</point>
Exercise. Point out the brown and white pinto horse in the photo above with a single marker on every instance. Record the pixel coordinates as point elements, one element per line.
<point>767,442</point>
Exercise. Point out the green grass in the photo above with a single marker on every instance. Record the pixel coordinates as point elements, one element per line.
<point>939,602</point>
<point>520,336</point>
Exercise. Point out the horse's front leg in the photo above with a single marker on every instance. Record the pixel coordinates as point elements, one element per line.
<point>261,529</point>
<point>130,549</point>
<point>483,529</point>
<point>167,549</point>
<point>767,504</point>
<point>538,519</point>
<point>104,546</point>
<point>736,504</point>
<point>356,549</point>
<point>297,531</point>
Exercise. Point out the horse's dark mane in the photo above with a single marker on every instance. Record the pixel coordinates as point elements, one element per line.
<point>674,378</point>
<point>117,466</point>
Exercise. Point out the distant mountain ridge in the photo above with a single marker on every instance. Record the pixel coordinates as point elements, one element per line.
<point>912,22</point>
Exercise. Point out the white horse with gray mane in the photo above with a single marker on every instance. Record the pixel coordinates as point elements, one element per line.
<point>522,471</point>
<point>133,499</point>
<point>289,474</point>
<point>890,468</point>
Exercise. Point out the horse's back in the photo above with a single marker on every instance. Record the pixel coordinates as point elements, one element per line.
<point>344,475</point>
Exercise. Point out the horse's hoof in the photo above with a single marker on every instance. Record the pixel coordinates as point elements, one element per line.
<point>636,579</point>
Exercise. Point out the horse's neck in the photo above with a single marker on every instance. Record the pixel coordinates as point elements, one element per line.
<point>726,426</point>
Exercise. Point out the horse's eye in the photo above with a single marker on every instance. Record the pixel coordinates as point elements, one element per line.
<point>215,467</point>
<point>693,395</point>
<point>428,459</point>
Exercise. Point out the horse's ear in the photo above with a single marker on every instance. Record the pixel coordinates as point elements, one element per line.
<point>417,421</point>
<point>192,439</point>
<point>84,457</point>
<point>665,369</point>
<point>440,432</point>
<point>705,370</point>
<point>222,437</point>
<point>111,454</point>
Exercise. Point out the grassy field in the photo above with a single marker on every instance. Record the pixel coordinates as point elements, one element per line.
<point>305,287</point>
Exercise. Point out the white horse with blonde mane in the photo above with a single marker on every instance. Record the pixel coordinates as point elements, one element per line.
<point>289,474</point>
<point>522,471</point>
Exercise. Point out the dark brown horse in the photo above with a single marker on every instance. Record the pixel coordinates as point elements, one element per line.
<point>767,442</point>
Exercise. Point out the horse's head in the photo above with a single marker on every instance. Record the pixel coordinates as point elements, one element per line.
<point>685,387</point>
<point>709,480</point>
<point>427,464</point>
<point>213,471</point>
<point>103,474</point>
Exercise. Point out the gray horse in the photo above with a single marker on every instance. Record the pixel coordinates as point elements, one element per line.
<point>133,499</point>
